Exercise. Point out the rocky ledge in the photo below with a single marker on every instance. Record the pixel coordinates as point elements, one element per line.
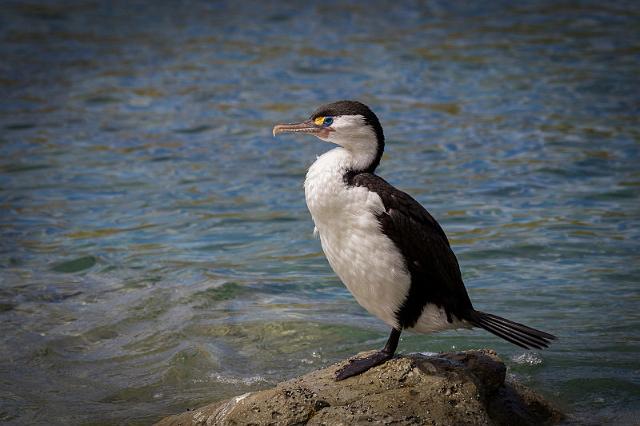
<point>461,388</point>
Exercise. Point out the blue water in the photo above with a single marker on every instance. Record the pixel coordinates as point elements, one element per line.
<point>155,249</point>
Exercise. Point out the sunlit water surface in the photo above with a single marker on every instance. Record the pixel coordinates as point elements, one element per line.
<point>155,249</point>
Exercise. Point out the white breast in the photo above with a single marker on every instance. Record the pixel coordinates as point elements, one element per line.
<point>366,260</point>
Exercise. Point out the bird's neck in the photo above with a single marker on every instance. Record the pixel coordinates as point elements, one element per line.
<point>326,186</point>
<point>358,154</point>
<point>344,161</point>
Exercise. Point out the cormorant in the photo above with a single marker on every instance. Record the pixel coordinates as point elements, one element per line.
<point>392,255</point>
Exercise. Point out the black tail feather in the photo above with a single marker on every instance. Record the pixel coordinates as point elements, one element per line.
<point>526,342</point>
<point>518,334</point>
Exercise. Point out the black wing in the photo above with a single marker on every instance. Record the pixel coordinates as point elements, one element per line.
<point>435,274</point>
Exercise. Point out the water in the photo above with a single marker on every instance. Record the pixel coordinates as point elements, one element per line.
<point>155,250</point>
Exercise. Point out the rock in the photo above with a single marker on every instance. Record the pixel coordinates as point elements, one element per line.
<point>462,388</point>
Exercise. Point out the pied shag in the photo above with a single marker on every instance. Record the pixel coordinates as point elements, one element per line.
<point>392,255</point>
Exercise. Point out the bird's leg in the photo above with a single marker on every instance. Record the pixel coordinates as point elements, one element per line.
<point>360,365</point>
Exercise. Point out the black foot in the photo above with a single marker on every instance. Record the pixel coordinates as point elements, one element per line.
<point>360,365</point>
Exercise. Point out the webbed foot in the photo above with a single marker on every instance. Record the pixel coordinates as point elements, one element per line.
<point>360,365</point>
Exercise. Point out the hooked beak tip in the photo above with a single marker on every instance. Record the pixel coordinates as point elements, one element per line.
<point>277,129</point>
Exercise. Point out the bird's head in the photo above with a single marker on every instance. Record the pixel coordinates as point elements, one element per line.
<point>350,124</point>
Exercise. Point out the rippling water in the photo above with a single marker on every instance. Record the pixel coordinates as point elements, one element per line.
<point>155,249</point>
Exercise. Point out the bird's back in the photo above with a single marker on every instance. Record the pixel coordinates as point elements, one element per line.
<point>436,280</point>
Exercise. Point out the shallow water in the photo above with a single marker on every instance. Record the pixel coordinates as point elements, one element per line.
<point>155,249</point>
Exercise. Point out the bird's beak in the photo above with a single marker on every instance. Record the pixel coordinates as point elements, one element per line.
<point>304,127</point>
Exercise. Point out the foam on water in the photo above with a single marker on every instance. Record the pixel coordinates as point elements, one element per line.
<point>527,358</point>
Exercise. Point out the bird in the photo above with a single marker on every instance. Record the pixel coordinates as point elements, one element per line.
<point>387,249</point>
